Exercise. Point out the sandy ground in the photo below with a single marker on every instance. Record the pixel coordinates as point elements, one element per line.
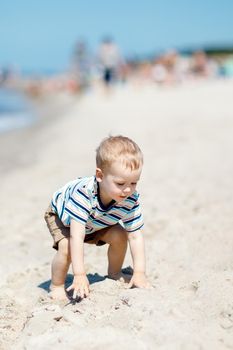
<point>186,134</point>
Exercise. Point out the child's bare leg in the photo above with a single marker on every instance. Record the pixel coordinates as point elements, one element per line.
<point>60,266</point>
<point>116,237</point>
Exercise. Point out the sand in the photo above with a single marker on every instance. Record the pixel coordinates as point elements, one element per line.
<point>185,133</point>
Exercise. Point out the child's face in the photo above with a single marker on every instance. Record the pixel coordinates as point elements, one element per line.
<point>117,182</point>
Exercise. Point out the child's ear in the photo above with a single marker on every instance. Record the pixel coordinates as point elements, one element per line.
<point>99,174</point>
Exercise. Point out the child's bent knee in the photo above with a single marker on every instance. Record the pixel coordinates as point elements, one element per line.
<point>63,246</point>
<point>119,235</point>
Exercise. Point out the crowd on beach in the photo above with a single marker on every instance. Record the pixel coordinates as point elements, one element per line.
<point>108,66</point>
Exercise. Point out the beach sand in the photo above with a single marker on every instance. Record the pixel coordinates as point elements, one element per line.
<point>186,187</point>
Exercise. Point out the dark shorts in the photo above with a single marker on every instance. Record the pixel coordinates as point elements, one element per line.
<point>59,231</point>
<point>108,75</point>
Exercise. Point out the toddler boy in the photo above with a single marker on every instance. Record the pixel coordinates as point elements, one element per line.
<point>99,209</point>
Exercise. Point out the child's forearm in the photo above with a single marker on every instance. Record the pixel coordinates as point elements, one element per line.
<point>137,248</point>
<point>77,255</point>
<point>77,248</point>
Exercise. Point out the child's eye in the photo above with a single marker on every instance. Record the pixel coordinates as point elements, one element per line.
<point>134,183</point>
<point>120,184</point>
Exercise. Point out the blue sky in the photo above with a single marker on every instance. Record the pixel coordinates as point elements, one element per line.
<point>41,34</point>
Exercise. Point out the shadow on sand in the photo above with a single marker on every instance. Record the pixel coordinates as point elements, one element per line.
<point>92,278</point>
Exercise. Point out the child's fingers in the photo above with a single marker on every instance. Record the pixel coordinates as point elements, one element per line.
<point>81,293</point>
<point>87,292</point>
<point>84,292</point>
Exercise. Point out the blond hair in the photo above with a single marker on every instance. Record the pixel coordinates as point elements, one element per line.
<point>118,148</point>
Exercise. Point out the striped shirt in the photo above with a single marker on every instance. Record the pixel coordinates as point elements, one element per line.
<point>79,200</point>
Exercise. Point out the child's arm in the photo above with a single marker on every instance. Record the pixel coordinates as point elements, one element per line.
<point>137,248</point>
<point>80,282</point>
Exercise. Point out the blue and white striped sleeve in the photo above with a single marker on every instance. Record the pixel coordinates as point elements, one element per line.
<point>133,221</point>
<point>78,206</point>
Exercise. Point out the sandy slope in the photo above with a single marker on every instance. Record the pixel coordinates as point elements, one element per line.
<point>186,189</point>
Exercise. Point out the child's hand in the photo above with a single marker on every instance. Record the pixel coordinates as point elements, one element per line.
<point>139,280</point>
<point>80,286</point>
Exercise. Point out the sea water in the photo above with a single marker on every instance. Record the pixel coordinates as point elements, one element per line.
<point>15,110</point>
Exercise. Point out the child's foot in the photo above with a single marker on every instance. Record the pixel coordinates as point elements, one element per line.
<point>57,292</point>
<point>120,276</point>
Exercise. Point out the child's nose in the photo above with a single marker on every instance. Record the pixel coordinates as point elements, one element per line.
<point>127,189</point>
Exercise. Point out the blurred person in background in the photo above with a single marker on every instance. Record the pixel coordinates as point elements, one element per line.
<point>110,61</point>
<point>169,68</point>
<point>202,66</point>
<point>159,72</point>
<point>81,66</point>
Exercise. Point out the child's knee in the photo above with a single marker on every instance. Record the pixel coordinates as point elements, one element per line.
<point>64,247</point>
<point>119,235</point>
